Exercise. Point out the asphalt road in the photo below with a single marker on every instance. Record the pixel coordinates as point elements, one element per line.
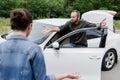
<point>113,74</point>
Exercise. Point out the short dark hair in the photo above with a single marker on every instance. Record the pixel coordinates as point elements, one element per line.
<point>20,18</point>
<point>78,13</point>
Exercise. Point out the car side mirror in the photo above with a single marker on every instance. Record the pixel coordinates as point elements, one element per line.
<point>55,45</point>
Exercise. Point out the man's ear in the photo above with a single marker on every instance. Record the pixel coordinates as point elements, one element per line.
<point>78,17</point>
<point>30,27</point>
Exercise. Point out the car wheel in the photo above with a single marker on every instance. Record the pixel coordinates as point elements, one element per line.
<point>114,29</point>
<point>109,60</point>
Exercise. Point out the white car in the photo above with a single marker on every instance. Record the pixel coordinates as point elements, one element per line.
<point>102,52</point>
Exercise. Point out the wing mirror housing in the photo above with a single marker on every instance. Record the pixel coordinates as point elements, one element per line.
<point>56,45</point>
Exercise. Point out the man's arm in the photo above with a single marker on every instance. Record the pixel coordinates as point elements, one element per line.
<point>68,75</point>
<point>47,30</point>
<point>56,29</point>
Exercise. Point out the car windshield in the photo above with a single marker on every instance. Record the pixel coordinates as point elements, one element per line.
<point>36,36</point>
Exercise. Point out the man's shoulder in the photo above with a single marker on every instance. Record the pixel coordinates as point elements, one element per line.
<point>32,45</point>
<point>82,20</point>
<point>66,24</point>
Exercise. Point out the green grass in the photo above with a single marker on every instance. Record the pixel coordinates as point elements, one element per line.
<point>4,22</point>
<point>117,24</point>
<point>4,25</point>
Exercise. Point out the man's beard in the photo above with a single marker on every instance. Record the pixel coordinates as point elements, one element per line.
<point>74,21</point>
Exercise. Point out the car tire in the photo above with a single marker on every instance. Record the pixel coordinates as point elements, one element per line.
<point>109,60</point>
<point>114,29</point>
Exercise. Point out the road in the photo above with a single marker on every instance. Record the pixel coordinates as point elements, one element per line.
<point>113,74</point>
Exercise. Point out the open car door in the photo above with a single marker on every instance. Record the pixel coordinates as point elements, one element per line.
<point>86,61</point>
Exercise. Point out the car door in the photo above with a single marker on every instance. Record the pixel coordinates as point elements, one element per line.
<point>86,61</point>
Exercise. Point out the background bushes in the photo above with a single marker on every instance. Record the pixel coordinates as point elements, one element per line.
<point>57,8</point>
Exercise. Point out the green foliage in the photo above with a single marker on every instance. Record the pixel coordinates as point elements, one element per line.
<point>82,6</point>
<point>6,6</point>
<point>57,8</point>
<point>117,24</point>
<point>4,21</point>
<point>4,25</point>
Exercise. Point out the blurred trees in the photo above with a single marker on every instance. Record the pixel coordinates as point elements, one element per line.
<point>6,6</point>
<point>57,8</point>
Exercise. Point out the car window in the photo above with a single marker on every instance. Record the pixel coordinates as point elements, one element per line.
<point>94,38</point>
<point>36,36</point>
<point>92,34</point>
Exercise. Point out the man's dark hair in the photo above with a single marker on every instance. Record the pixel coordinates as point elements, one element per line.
<point>20,19</point>
<point>78,13</point>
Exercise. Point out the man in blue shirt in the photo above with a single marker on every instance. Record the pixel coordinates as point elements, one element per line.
<point>21,59</point>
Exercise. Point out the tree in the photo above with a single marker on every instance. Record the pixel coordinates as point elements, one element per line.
<point>57,8</point>
<point>6,6</point>
<point>82,6</point>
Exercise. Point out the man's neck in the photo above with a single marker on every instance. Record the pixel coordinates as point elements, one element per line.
<point>19,33</point>
<point>77,21</point>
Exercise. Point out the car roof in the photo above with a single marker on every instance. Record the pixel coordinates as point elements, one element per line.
<point>53,21</point>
